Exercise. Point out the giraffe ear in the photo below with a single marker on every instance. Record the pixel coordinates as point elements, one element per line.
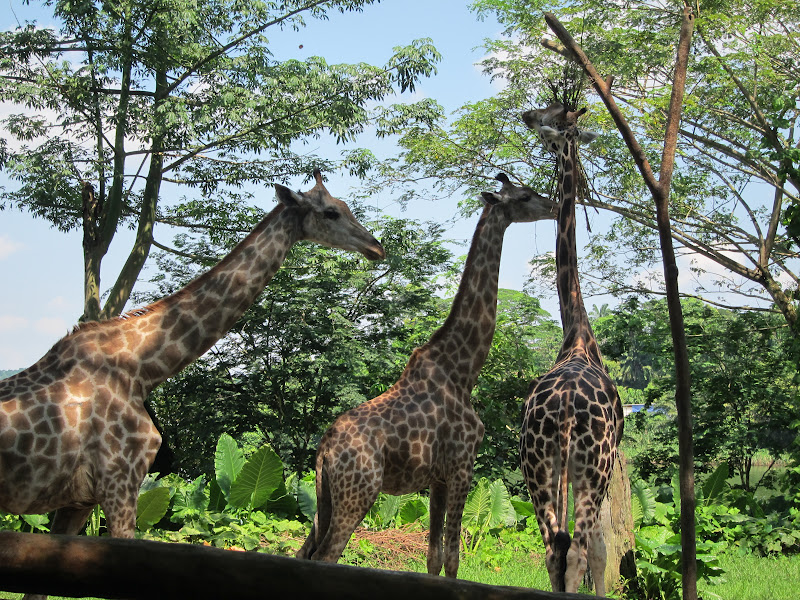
<point>586,136</point>
<point>491,197</point>
<point>287,196</point>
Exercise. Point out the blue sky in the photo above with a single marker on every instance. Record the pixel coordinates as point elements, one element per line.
<point>41,268</point>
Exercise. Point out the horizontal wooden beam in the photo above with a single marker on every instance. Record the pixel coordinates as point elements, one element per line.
<point>117,568</point>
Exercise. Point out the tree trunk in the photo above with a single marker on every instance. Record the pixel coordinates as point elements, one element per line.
<point>118,568</point>
<point>616,519</point>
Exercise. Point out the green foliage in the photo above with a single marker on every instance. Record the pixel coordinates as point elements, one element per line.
<point>211,109</point>
<point>742,385</point>
<point>488,507</point>
<point>658,546</point>
<point>726,519</point>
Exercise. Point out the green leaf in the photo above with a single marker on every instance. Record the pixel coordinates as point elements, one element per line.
<point>716,483</point>
<point>501,510</point>
<point>643,502</point>
<point>412,511</point>
<point>228,462</point>
<point>259,477</point>
<point>523,508</point>
<point>216,497</point>
<point>307,498</point>
<point>152,507</point>
<point>477,508</point>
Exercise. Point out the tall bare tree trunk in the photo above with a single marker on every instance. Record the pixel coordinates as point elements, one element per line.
<point>660,189</point>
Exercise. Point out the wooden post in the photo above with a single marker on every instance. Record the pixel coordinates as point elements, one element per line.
<point>137,569</point>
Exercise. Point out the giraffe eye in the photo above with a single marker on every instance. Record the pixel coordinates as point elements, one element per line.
<point>331,213</point>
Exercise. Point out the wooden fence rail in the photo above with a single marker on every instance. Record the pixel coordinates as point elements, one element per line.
<point>116,568</point>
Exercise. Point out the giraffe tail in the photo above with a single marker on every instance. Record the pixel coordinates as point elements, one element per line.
<point>561,545</point>
<point>322,516</point>
<point>562,541</point>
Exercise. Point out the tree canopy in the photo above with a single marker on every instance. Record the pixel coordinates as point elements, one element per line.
<point>126,101</point>
<point>735,185</point>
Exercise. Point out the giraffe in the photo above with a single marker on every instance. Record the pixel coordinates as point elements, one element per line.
<point>423,432</point>
<point>572,416</point>
<point>74,432</point>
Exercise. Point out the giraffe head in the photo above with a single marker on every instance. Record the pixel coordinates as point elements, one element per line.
<point>328,221</point>
<point>557,126</point>
<point>520,202</point>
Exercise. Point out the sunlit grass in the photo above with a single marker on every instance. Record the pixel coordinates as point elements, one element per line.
<point>751,577</point>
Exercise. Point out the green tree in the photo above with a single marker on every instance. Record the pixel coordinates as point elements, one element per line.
<point>743,389</point>
<point>330,332</point>
<point>736,166</point>
<point>129,102</point>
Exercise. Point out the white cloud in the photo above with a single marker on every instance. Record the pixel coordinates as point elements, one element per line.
<point>58,303</point>
<point>8,246</point>
<point>10,323</point>
<point>51,326</point>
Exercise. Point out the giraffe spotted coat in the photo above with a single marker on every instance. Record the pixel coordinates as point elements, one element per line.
<point>572,417</point>
<point>423,432</point>
<point>74,431</point>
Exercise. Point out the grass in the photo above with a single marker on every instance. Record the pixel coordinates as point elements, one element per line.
<point>751,577</point>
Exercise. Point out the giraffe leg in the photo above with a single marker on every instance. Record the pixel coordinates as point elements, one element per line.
<point>576,563</point>
<point>456,497</point>
<point>586,512</point>
<point>348,510</point>
<point>68,521</point>
<point>120,511</point>
<point>597,559</point>
<point>322,518</point>
<point>438,500</point>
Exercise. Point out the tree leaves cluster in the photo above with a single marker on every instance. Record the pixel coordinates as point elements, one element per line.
<point>735,177</point>
<point>743,389</point>
<point>140,100</point>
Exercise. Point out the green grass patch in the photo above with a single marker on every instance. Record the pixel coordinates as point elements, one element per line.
<point>751,577</point>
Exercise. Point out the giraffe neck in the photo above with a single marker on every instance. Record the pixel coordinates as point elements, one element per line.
<point>169,334</point>
<point>578,333</point>
<point>466,335</point>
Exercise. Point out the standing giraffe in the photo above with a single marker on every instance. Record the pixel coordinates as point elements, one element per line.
<point>423,431</point>
<point>74,431</point>
<point>572,417</point>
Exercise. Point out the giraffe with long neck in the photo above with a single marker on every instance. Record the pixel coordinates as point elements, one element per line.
<point>572,416</point>
<point>74,432</point>
<point>423,432</point>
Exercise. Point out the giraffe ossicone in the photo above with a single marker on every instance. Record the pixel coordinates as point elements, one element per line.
<point>423,431</point>
<point>572,416</point>
<point>74,431</point>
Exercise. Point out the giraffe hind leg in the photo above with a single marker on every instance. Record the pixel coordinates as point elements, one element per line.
<point>349,503</point>
<point>597,560</point>
<point>322,518</point>
<point>561,545</point>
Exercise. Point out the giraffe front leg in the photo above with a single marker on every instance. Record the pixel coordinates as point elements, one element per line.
<point>67,521</point>
<point>456,498</point>
<point>438,501</point>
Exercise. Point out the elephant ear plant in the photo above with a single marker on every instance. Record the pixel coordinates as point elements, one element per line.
<point>242,506</point>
